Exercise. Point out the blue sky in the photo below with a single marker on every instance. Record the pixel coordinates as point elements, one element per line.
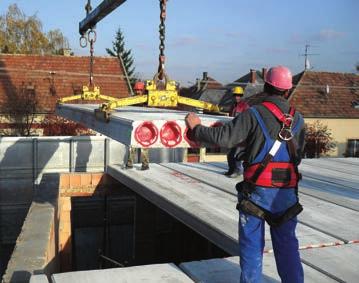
<point>225,38</point>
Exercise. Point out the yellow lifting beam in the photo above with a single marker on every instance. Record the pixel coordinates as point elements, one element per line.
<point>156,96</point>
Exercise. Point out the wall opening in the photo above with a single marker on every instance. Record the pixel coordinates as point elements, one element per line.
<point>113,226</point>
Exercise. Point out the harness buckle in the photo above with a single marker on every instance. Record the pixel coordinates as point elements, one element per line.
<point>287,120</point>
<point>285,133</point>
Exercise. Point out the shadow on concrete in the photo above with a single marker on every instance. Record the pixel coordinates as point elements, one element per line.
<point>17,191</point>
<point>83,152</point>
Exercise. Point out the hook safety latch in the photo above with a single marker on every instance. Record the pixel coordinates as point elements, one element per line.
<point>285,132</point>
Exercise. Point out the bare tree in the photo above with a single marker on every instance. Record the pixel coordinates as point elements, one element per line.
<point>22,106</point>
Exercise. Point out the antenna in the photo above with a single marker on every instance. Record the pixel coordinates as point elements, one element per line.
<point>306,54</point>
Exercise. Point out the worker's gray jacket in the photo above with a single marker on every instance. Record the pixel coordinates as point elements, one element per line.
<point>245,128</point>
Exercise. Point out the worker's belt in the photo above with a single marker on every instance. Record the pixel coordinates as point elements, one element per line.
<point>247,206</point>
<point>273,175</point>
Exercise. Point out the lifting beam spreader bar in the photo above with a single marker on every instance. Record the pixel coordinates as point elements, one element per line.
<point>101,11</point>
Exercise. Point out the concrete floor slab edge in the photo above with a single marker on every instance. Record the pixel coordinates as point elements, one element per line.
<point>212,234</point>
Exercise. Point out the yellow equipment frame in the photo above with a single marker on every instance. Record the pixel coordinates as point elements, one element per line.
<point>158,95</point>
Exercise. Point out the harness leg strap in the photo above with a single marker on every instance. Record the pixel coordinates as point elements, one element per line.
<point>251,208</point>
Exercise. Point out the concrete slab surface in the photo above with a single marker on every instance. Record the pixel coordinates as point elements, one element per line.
<point>166,273</point>
<point>204,199</point>
<point>39,279</point>
<point>341,262</point>
<point>138,126</point>
<point>227,270</point>
<point>344,179</point>
<point>213,175</point>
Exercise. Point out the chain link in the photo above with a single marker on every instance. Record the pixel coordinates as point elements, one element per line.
<point>162,31</point>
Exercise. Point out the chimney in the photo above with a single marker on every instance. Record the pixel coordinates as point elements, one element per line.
<point>205,76</point>
<point>253,76</point>
<point>66,52</point>
<point>264,73</point>
<point>198,85</point>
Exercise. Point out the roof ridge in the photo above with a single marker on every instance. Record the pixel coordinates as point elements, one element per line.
<point>54,55</point>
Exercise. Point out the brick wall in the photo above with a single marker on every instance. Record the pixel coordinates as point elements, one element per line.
<point>57,76</point>
<point>74,185</point>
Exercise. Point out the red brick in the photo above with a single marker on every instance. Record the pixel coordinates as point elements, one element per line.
<point>64,181</point>
<point>86,179</point>
<point>75,180</point>
<point>96,179</point>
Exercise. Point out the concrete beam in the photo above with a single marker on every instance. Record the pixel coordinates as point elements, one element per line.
<point>165,273</point>
<point>140,126</point>
<point>228,270</point>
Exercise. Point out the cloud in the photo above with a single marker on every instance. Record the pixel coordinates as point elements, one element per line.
<point>277,50</point>
<point>328,34</point>
<point>233,34</point>
<point>297,38</point>
<point>322,35</point>
<point>142,46</point>
<point>185,41</point>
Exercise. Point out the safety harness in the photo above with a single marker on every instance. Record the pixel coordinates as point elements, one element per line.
<point>271,174</point>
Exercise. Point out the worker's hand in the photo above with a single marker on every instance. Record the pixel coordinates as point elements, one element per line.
<point>192,120</point>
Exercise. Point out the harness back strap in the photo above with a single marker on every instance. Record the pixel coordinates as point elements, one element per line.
<point>277,112</point>
<point>287,120</point>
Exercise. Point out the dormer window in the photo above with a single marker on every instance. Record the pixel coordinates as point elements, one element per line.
<point>355,104</point>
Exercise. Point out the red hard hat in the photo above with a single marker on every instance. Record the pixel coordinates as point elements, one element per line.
<point>279,77</point>
<point>139,86</point>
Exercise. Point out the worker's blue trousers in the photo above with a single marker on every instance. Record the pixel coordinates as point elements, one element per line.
<point>285,246</point>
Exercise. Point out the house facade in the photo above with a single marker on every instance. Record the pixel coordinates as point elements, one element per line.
<point>34,83</point>
<point>332,99</point>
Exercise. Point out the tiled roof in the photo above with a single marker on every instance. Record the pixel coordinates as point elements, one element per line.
<point>311,97</point>
<point>250,89</point>
<point>213,84</point>
<point>209,90</point>
<point>57,76</point>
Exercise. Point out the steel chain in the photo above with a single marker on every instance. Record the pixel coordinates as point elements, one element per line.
<point>162,31</point>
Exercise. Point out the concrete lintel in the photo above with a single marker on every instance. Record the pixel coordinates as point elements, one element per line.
<point>167,127</point>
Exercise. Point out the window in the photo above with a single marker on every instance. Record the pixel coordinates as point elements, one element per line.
<point>353,148</point>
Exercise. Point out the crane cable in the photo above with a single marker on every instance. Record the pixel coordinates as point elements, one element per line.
<point>91,37</point>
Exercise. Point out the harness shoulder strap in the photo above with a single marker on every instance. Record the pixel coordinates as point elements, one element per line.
<point>261,123</point>
<point>278,113</point>
<point>287,121</point>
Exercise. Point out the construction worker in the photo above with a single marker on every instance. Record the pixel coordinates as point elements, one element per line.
<point>233,156</point>
<point>274,134</point>
<point>139,89</point>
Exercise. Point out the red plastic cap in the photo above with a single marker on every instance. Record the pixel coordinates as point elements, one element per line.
<point>279,77</point>
<point>139,86</point>
<point>170,134</point>
<point>146,134</point>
